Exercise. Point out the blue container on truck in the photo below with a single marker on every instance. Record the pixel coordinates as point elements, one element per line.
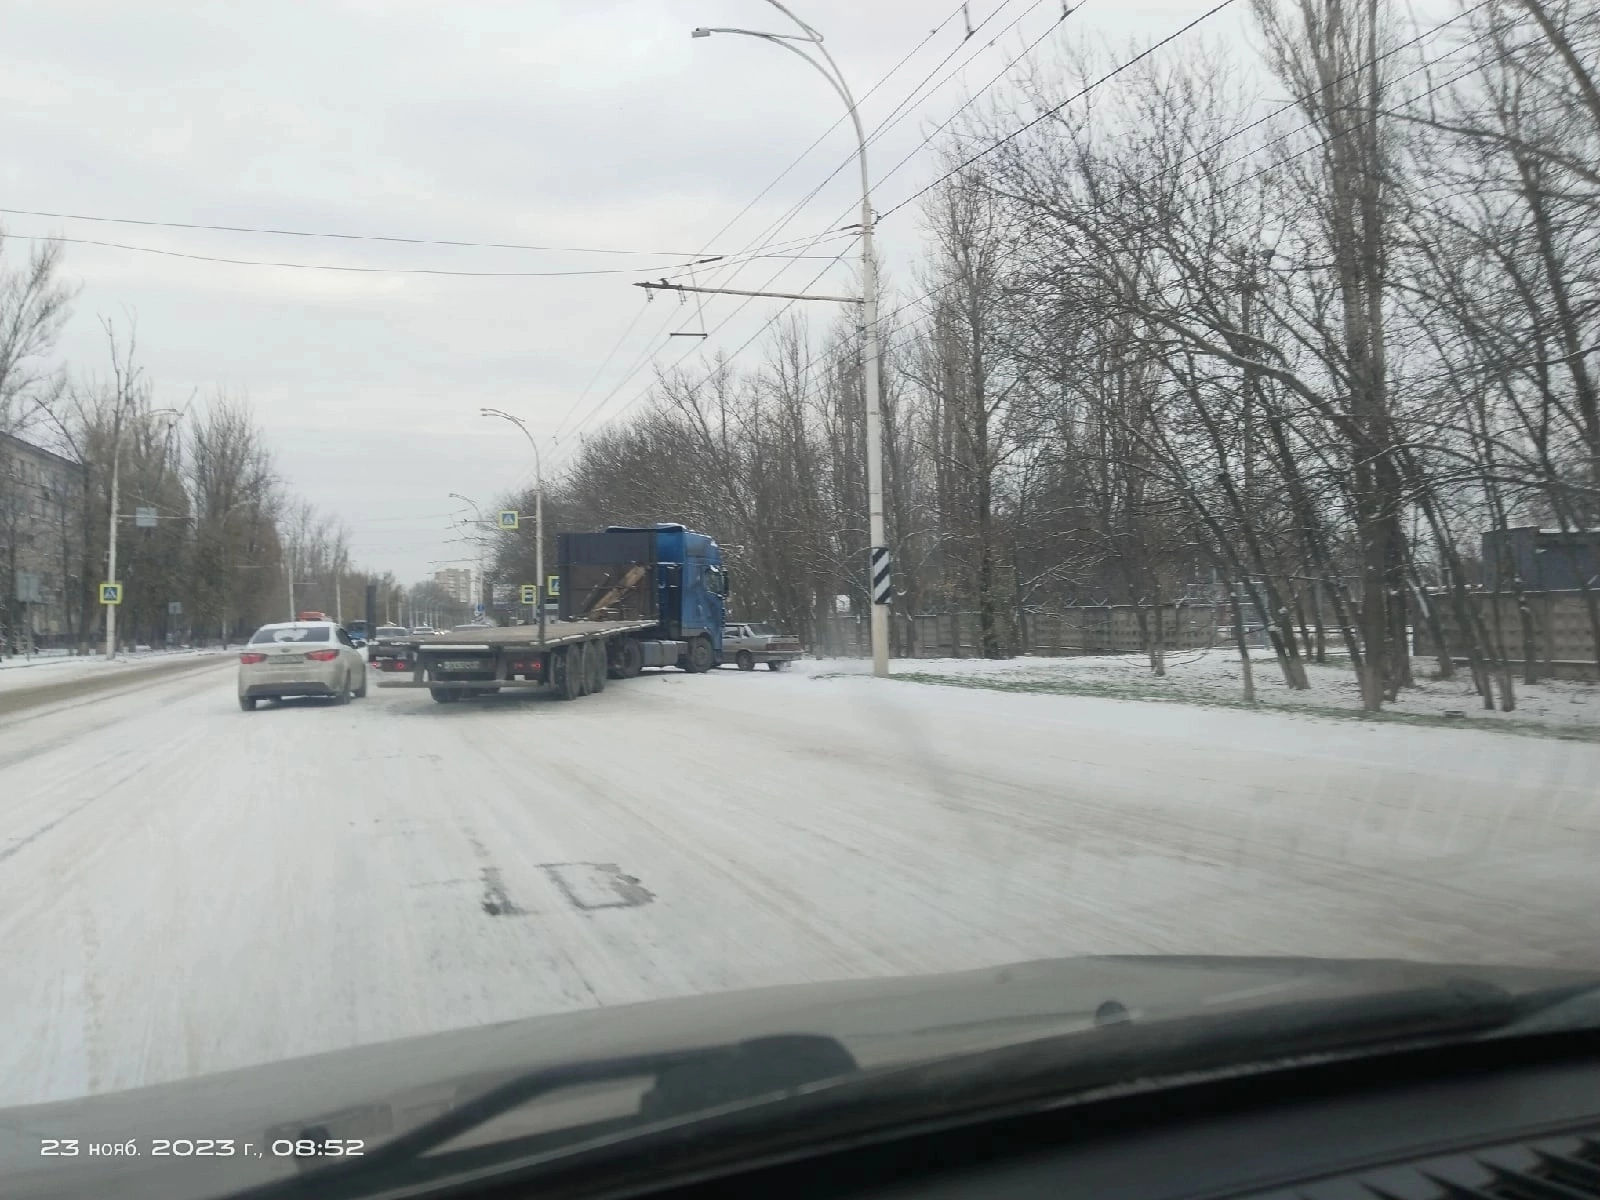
<point>664,573</point>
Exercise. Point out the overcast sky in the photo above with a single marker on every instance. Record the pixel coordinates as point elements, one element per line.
<point>583,124</point>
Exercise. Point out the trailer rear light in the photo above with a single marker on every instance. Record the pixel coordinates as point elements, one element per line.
<point>251,660</point>
<point>323,655</point>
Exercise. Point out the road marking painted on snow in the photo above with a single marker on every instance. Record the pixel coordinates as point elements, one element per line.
<point>590,886</point>
<point>495,900</point>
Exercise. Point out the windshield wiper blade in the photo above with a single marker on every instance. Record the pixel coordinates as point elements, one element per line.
<point>749,1101</point>
<point>686,1081</point>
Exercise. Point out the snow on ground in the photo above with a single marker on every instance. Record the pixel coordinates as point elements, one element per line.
<point>53,667</point>
<point>1214,677</point>
<point>186,888</point>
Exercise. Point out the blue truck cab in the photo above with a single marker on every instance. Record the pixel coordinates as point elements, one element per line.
<point>664,573</point>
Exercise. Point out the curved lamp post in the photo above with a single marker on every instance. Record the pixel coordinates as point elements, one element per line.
<point>869,306</point>
<point>538,507</point>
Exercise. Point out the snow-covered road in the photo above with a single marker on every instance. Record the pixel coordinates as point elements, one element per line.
<point>186,888</point>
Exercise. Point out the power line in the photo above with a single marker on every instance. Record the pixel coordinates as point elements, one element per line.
<point>348,237</point>
<point>299,266</point>
<point>782,175</point>
<point>771,321</point>
<point>970,100</point>
<point>876,133</point>
<point>892,120</point>
<point>902,110</point>
<point>730,269</point>
<point>1333,137</point>
<point>651,349</point>
<point>1283,108</point>
<point>1028,49</point>
<point>1050,112</point>
<point>644,307</point>
<point>939,288</point>
<point>795,210</point>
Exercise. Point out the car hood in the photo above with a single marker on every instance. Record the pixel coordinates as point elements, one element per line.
<point>376,1092</point>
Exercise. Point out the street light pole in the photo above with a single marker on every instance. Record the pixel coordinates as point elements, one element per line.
<point>869,313</point>
<point>538,509</point>
<point>485,595</point>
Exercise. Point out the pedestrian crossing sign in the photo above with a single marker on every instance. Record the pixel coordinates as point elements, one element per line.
<point>508,519</point>
<point>552,585</point>
<point>110,593</point>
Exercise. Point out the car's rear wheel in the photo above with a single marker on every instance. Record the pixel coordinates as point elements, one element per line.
<point>247,703</point>
<point>442,695</point>
<point>746,660</point>
<point>777,664</point>
<point>361,692</point>
<point>342,696</point>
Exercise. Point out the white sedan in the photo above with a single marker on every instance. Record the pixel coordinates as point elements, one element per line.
<point>300,658</point>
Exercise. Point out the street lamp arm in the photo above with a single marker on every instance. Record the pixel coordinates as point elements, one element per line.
<point>832,76</point>
<point>786,41</point>
<point>814,34</point>
<point>518,422</point>
<point>466,500</point>
<point>700,31</point>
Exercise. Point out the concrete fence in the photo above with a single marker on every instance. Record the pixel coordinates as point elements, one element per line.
<point>1563,636</point>
<point>1097,629</point>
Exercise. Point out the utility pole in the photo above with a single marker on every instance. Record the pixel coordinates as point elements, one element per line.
<point>879,589</point>
<point>111,533</point>
<point>116,502</point>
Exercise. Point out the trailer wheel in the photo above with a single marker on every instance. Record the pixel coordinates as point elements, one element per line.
<point>597,666</point>
<point>567,672</point>
<point>442,695</point>
<point>632,658</point>
<point>746,660</point>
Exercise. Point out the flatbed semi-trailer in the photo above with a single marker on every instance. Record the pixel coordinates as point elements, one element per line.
<point>631,598</point>
<point>574,658</point>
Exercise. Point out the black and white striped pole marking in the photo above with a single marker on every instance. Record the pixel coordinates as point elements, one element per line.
<point>881,589</point>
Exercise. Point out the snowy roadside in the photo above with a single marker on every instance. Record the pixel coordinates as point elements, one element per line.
<point>41,669</point>
<point>1212,677</point>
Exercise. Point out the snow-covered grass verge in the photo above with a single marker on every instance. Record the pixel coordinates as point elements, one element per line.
<point>54,667</point>
<point>1212,677</point>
